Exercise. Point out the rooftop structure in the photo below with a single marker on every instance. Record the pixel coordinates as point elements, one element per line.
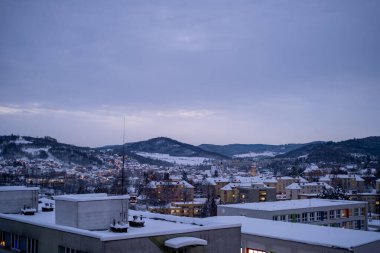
<point>339,213</point>
<point>270,236</point>
<point>15,198</point>
<point>42,233</point>
<point>90,211</point>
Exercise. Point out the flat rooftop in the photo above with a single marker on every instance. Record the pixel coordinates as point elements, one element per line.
<point>18,188</point>
<point>302,233</point>
<point>292,204</point>
<point>89,197</point>
<point>155,224</point>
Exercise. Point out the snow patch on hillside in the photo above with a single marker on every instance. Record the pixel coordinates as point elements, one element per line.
<point>254,154</point>
<point>21,141</point>
<point>35,151</point>
<point>181,160</point>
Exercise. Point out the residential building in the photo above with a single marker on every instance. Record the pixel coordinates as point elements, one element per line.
<point>327,212</point>
<point>283,182</point>
<point>372,198</point>
<point>348,182</point>
<point>188,209</point>
<point>301,190</point>
<point>257,192</point>
<point>163,192</point>
<point>230,193</point>
<point>211,186</point>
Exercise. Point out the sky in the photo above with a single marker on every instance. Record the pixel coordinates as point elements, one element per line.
<point>220,72</point>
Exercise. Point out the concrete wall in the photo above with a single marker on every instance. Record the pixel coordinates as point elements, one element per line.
<point>50,239</point>
<point>220,240</point>
<point>14,201</point>
<point>277,245</point>
<point>370,247</point>
<point>90,215</point>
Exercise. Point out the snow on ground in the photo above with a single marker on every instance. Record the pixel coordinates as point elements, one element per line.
<point>35,151</point>
<point>181,160</point>
<point>254,154</point>
<point>21,141</point>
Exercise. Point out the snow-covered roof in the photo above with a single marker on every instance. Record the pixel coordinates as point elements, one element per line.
<point>180,242</point>
<point>18,188</point>
<point>153,184</point>
<point>341,176</point>
<point>311,168</point>
<point>256,179</point>
<point>89,197</point>
<point>302,233</point>
<point>214,181</point>
<point>292,204</point>
<point>294,186</point>
<point>155,224</point>
<point>230,186</point>
<point>299,186</point>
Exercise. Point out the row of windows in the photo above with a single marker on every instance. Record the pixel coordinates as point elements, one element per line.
<point>62,249</point>
<point>320,215</point>
<point>18,243</point>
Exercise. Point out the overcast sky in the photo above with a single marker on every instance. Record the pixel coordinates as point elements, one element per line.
<point>273,71</point>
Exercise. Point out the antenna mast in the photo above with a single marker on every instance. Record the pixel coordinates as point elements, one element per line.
<point>122,170</point>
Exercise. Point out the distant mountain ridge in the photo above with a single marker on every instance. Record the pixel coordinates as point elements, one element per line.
<point>354,150</point>
<point>343,151</point>
<point>164,145</point>
<point>16,147</point>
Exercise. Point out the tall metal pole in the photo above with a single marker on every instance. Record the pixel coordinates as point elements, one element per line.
<point>122,170</point>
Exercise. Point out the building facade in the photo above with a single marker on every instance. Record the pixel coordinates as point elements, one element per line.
<point>334,213</point>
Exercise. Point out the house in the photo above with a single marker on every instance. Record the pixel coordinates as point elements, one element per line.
<point>304,190</point>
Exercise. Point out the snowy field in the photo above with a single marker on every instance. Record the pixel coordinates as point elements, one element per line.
<point>180,160</point>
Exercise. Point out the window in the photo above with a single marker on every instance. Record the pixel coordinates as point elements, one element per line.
<point>62,249</point>
<point>31,245</point>
<point>2,239</point>
<point>312,216</point>
<point>282,218</point>
<point>338,214</point>
<point>344,213</point>
<point>255,251</point>
<point>319,216</point>
<point>332,214</point>
<point>358,224</point>
<point>15,241</point>
<point>356,211</point>
<point>304,217</point>
<point>275,217</point>
<point>323,215</point>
